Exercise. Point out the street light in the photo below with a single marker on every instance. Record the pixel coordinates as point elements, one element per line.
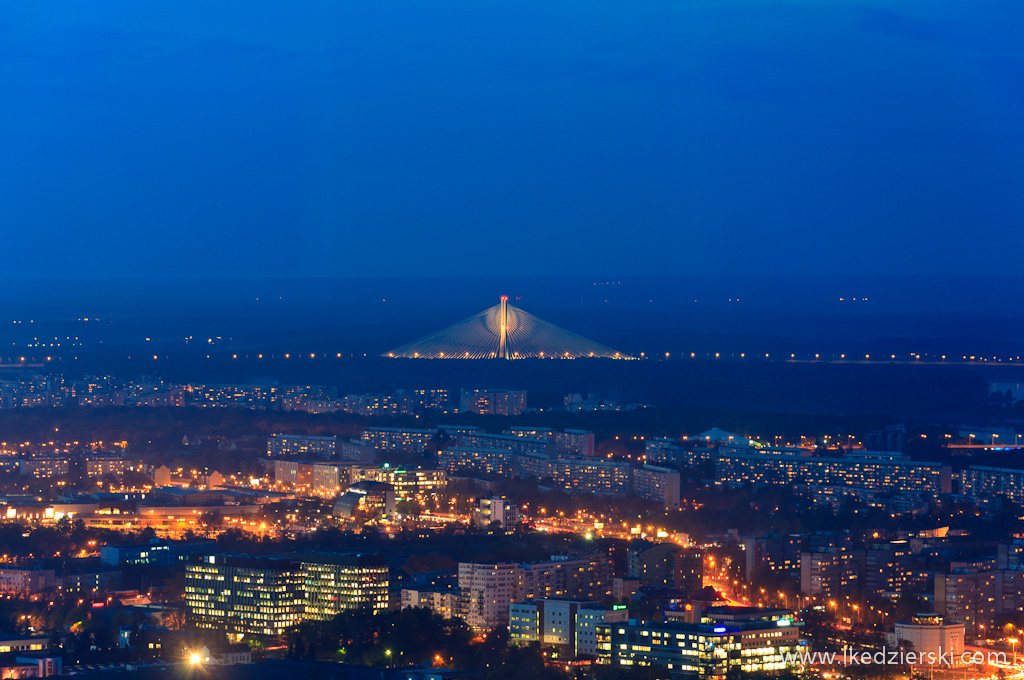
<point>387,653</point>
<point>1013,642</point>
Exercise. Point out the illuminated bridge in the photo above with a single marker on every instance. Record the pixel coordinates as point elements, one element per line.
<point>504,332</point>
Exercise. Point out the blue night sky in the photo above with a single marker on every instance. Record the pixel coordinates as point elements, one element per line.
<point>426,137</point>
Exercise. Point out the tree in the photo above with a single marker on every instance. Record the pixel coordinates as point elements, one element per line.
<point>176,619</point>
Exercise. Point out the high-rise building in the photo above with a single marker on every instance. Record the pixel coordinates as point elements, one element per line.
<point>657,484</point>
<point>268,595</point>
<point>672,566</point>
<point>579,577</point>
<point>335,582</point>
<point>489,589</point>
<point>247,595</point>
<point>828,572</point>
<point>775,554</point>
<point>977,594</point>
<point>887,568</point>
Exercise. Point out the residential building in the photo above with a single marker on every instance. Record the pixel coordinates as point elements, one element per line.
<point>870,472</point>
<point>829,568</point>
<point>489,589</point>
<point>24,582</point>
<point>100,466</point>
<point>775,554</point>
<point>398,439</point>
<point>568,624</point>
<point>500,510</point>
<point>493,402</point>
<point>300,445</point>
<point>977,482</point>
<point>887,568</point>
<point>657,484</point>
<point>672,566</point>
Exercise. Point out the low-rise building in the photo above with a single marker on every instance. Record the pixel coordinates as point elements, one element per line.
<point>931,636</point>
<point>26,582</point>
<point>709,651</point>
<point>569,624</point>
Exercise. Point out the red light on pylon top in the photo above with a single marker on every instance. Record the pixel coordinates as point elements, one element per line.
<point>504,298</point>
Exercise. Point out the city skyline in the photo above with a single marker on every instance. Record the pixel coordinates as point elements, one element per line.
<point>778,239</point>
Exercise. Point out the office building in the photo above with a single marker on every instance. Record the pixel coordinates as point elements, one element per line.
<point>328,479</point>
<point>709,651</point>
<point>160,552</point>
<point>294,474</point>
<point>245,595</point>
<point>336,582</point>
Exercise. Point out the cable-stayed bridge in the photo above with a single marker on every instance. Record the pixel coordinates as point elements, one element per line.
<point>504,332</point>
